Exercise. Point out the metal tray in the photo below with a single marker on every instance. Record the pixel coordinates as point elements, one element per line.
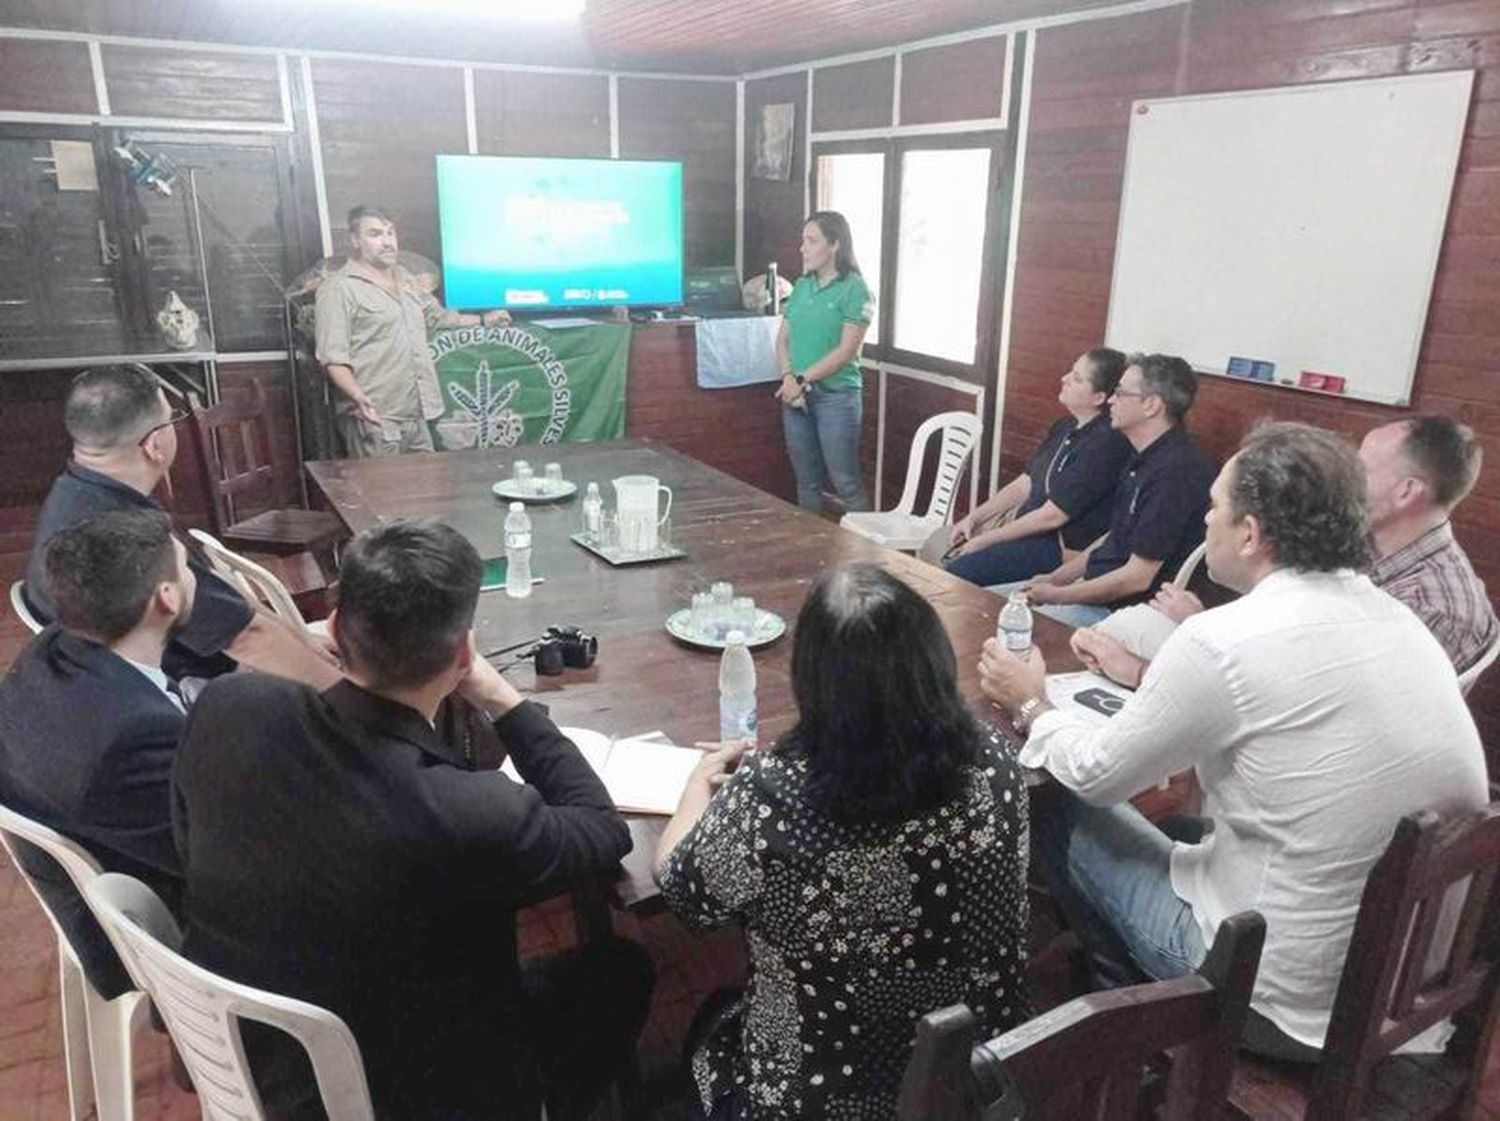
<point>619,557</point>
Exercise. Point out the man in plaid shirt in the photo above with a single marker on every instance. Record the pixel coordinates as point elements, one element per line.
<point>1417,471</point>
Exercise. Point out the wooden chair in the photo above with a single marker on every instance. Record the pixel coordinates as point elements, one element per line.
<point>1086,1059</point>
<point>1388,995</point>
<point>234,441</point>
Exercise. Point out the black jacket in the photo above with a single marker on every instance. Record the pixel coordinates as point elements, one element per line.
<point>86,747</point>
<point>337,850</point>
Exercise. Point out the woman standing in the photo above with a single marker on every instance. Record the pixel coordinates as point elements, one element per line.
<point>823,326</point>
<point>875,858</point>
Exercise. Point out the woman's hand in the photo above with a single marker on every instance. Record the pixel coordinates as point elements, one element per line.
<point>718,762</point>
<point>790,393</point>
<point>963,529</point>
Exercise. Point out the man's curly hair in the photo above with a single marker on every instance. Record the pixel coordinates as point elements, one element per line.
<point>1306,488</point>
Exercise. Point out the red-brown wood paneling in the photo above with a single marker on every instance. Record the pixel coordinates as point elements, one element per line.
<point>203,85</point>
<point>1086,76</point>
<point>381,126</point>
<point>524,113</point>
<point>693,122</point>
<point>957,82</point>
<point>773,207</point>
<point>42,77</point>
<point>855,95</point>
<point>736,430</point>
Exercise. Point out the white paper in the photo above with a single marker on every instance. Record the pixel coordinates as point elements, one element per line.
<point>559,321</point>
<point>74,161</point>
<point>1071,692</point>
<point>644,774</point>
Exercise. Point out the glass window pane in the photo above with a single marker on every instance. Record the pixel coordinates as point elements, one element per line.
<point>940,250</point>
<point>853,183</point>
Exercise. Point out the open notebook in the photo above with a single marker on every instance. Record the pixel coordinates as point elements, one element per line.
<point>644,774</point>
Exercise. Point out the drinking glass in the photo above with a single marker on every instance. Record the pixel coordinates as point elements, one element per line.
<point>522,474</point>
<point>742,615</point>
<point>554,476</point>
<point>703,613</point>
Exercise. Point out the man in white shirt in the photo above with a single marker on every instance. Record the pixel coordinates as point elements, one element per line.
<point>1316,711</point>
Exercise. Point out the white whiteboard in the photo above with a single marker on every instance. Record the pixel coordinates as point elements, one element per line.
<point>1298,225</point>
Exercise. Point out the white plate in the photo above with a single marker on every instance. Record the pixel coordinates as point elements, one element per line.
<point>544,492</point>
<point>769,626</point>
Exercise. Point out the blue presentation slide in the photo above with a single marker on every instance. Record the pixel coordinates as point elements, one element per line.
<point>532,233</point>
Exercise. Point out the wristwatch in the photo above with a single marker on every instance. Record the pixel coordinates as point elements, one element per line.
<point>801,380</point>
<point>1027,711</point>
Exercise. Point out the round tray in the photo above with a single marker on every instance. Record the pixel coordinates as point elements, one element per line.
<point>769,626</point>
<point>545,492</point>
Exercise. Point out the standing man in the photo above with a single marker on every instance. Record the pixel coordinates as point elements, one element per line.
<point>1157,517</point>
<point>1316,712</point>
<point>372,324</point>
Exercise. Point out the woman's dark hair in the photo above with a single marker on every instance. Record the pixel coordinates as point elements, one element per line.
<point>407,591</point>
<point>835,227</point>
<point>1306,488</point>
<point>1105,367</point>
<point>880,720</point>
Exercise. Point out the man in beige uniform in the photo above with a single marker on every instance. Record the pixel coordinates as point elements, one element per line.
<point>372,322</point>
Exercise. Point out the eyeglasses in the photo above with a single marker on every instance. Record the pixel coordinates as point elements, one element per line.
<point>177,416</point>
<point>1129,393</point>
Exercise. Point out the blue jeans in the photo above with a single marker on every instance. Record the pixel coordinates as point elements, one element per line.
<point>1110,871</point>
<point>1009,561</point>
<point>826,437</point>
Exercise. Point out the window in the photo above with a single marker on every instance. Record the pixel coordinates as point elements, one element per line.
<point>853,183</point>
<point>940,251</point>
<point>925,213</point>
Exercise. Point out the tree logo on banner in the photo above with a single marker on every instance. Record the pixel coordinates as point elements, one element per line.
<point>498,382</point>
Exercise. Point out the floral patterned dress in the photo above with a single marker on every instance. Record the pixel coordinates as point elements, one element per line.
<point>854,932</point>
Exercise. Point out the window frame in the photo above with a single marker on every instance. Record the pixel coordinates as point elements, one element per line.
<point>987,310</point>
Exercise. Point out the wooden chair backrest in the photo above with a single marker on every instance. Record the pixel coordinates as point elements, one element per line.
<point>1085,1059</point>
<point>1389,992</point>
<point>234,443</point>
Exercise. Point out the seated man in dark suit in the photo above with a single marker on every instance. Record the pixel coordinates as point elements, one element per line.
<point>88,729</point>
<point>338,850</point>
<point>124,443</point>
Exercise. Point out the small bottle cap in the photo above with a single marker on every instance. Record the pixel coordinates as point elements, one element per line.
<point>735,638</point>
<point>517,507</point>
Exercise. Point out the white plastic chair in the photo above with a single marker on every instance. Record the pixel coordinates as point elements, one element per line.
<point>1471,675</point>
<point>259,584</point>
<point>203,1012</point>
<point>1189,567</point>
<point>902,527</point>
<point>96,1032</point>
<point>18,605</point>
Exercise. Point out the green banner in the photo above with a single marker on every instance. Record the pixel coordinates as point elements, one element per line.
<point>526,384</point>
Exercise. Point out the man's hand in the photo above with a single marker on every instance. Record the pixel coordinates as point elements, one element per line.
<point>718,762</point>
<point>1045,589</point>
<point>1009,680</point>
<point>366,410</point>
<point>1176,603</point>
<point>498,315</point>
<point>1106,654</point>
<point>485,687</point>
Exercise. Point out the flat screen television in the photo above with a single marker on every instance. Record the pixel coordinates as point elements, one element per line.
<point>534,233</point>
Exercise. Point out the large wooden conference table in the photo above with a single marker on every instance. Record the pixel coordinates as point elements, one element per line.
<point>645,680</point>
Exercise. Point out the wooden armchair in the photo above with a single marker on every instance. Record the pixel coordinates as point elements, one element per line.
<point>234,442</point>
<point>1086,1059</point>
<point>1388,995</point>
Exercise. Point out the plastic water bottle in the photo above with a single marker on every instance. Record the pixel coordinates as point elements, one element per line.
<point>1014,631</point>
<point>517,552</point>
<point>737,719</point>
<point>593,512</point>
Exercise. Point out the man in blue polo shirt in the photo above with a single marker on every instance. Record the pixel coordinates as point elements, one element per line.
<point>1157,517</point>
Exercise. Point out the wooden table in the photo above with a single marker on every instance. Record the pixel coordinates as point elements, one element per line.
<point>644,679</point>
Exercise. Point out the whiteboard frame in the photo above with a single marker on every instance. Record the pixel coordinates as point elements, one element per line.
<point>1304,89</point>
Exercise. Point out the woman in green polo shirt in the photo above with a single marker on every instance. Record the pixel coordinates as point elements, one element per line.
<point>823,326</point>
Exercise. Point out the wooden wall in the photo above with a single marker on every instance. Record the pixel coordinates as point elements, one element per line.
<point>1085,78</point>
